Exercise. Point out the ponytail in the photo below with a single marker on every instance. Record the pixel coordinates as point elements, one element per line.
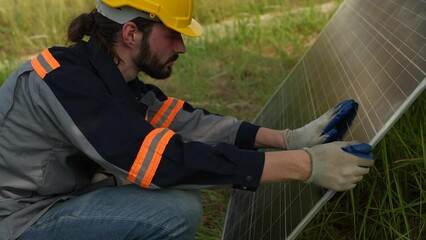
<point>102,30</point>
<point>81,26</point>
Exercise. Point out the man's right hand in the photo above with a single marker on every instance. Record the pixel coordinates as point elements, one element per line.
<point>335,169</point>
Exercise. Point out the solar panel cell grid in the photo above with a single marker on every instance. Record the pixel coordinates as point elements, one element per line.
<point>370,51</point>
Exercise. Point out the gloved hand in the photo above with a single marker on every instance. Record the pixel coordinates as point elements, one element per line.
<point>310,134</point>
<point>337,169</point>
<point>331,126</point>
<point>347,111</point>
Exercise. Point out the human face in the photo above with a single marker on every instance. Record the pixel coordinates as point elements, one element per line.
<point>159,52</point>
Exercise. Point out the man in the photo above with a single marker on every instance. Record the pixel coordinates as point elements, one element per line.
<point>72,112</point>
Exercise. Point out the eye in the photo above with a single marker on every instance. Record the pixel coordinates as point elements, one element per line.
<point>174,35</point>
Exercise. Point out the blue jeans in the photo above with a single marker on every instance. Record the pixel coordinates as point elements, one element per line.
<point>123,212</point>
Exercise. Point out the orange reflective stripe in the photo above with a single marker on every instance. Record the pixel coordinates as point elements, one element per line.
<point>38,68</point>
<point>137,164</point>
<point>44,63</point>
<point>149,156</point>
<point>152,169</point>
<point>162,111</point>
<point>173,114</point>
<point>167,113</point>
<point>50,59</point>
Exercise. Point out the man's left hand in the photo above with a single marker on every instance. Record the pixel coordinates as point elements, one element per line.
<point>331,126</point>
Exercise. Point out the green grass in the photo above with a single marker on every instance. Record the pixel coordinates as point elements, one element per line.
<point>27,27</point>
<point>234,69</point>
<point>390,202</point>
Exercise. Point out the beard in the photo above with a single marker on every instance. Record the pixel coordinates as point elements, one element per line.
<point>151,65</point>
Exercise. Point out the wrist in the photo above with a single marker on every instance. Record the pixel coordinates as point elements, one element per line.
<point>286,165</point>
<point>270,138</point>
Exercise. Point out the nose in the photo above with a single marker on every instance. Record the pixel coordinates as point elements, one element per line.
<point>180,45</point>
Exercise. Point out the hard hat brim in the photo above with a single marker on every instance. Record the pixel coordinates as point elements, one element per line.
<point>192,30</point>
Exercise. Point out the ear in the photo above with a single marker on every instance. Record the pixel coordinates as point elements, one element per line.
<point>130,34</point>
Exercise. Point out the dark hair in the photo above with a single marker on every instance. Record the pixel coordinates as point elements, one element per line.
<point>102,30</point>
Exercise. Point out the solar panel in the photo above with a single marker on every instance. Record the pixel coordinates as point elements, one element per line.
<point>371,51</point>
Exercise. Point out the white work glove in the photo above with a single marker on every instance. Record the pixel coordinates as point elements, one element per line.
<point>335,169</point>
<point>331,126</point>
<point>310,134</point>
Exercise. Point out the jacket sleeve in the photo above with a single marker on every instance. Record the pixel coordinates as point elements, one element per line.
<point>196,124</point>
<point>119,138</point>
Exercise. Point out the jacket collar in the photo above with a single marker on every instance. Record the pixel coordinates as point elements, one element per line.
<point>111,76</point>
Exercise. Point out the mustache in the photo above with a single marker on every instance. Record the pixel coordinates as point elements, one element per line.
<point>173,58</point>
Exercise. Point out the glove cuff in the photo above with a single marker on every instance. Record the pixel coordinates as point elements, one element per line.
<point>311,177</point>
<point>285,138</point>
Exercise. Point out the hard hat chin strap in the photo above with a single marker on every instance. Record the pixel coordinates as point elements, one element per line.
<point>123,14</point>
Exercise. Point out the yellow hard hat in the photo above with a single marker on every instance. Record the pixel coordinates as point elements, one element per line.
<point>175,14</point>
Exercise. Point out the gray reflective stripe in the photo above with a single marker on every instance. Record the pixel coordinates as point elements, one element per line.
<point>150,155</point>
<point>168,112</point>
<point>44,63</point>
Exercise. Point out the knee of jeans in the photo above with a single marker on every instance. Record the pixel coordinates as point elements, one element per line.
<point>190,207</point>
